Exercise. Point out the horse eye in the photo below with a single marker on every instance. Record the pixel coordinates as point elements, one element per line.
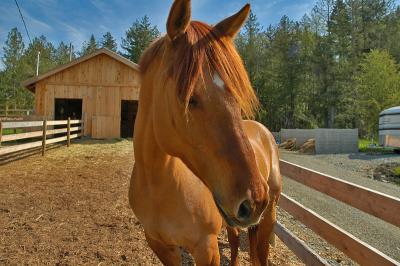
<point>193,102</point>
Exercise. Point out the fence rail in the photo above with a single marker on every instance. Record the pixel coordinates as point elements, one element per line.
<point>382,206</point>
<point>12,112</point>
<point>41,130</point>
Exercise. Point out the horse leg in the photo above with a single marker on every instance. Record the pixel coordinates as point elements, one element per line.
<point>131,184</point>
<point>168,255</point>
<point>262,234</point>
<point>206,252</point>
<point>233,238</point>
<point>253,243</point>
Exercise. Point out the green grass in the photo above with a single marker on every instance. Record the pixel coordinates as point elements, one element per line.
<point>9,131</point>
<point>396,171</point>
<point>365,145</point>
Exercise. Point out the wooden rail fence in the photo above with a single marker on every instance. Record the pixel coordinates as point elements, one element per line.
<point>72,130</point>
<point>382,206</point>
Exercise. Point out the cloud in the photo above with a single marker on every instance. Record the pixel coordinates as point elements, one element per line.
<point>36,26</point>
<point>101,6</point>
<point>75,35</point>
<point>297,10</point>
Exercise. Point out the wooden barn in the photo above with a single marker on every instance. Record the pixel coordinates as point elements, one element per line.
<point>101,88</point>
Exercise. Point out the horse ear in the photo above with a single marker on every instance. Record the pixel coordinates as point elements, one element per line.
<point>231,26</point>
<point>179,18</point>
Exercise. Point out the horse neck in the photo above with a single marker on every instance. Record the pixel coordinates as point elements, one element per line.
<point>148,153</point>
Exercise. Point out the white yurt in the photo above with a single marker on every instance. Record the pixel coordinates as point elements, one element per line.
<point>389,127</point>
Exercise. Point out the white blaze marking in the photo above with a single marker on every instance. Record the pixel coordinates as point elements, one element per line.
<point>218,81</point>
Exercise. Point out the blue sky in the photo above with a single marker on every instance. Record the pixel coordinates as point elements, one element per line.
<point>74,20</point>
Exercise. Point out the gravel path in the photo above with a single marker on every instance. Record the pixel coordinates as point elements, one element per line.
<point>356,168</point>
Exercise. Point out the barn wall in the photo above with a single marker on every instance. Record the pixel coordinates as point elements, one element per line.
<point>101,82</point>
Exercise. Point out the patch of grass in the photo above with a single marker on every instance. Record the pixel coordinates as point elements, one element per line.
<point>396,171</point>
<point>9,131</point>
<point>365,145</point>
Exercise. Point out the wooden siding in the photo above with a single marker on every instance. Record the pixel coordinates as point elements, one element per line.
<point>101,82</point>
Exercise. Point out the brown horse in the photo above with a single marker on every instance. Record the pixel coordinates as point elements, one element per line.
<point>195,158</point>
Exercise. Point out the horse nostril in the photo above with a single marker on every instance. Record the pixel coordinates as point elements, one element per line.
<point>245,210</point>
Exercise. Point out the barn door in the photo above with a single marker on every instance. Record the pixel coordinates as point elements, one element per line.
<point>128,115</point>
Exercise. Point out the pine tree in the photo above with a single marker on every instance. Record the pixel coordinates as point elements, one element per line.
<point>13,49</point>
<point>62,54</point>
<point>13,69</point>
<point>47,55</point>
<point>249,43</point>
<point>138,37</point>
<point>109,42</point>
<point>89,46</point>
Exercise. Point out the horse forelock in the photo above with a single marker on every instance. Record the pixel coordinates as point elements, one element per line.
<point>202,48</point>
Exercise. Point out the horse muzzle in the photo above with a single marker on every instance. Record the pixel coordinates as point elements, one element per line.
<point>248,214</point>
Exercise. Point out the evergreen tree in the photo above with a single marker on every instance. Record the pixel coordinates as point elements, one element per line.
<point>249,45</point>
<point>89,46</point>
<point>391,34</point>
<point>47,56</point>
<point>14,69</point>
<point>62,54</point>
<point>138,37</point>
<point>378,87</point>
<point>109,42</point>
<point>13,49</point>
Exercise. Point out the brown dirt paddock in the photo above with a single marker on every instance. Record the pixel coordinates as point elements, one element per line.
<point>70,207</point>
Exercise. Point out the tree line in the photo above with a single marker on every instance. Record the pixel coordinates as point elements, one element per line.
<point>336,67</point>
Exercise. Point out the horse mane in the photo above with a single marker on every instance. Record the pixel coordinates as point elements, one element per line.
<point>186,56</point>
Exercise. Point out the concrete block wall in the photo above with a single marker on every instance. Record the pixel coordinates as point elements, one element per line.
<point>301,135</point>
<point>327,140</point>
<point>336,140</point>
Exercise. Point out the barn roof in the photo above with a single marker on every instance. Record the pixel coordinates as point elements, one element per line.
<point>391,111</point>
<point>30,83</point>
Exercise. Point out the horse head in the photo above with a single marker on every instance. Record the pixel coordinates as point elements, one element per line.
<point>200,92</point>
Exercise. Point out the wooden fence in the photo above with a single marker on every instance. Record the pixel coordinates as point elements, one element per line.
<point>382,206</point>
<point>71,130</point>
<point>14,112</point>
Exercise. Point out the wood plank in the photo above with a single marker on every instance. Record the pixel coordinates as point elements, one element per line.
<point>380,205</point>
<point>302,251</point>
<point>69,132</point>
<point>75,122</point>
<point>44,137</point>
<point>57,122</point>
<point>96,84</point>
<point>1,132</point>
<point>22,124</point>
<point>15,148</point>
<point>64,138</point>
<point>356,249</point>
<point>26,135</point>
<point>62,130</point>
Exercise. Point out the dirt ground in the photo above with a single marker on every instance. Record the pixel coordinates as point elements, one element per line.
<point>70,208</point>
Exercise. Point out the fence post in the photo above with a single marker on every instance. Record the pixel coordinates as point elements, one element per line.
<point>69,132</point>
<point>44,136</point>
<point>1,131</point>
<point>82,129</point>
